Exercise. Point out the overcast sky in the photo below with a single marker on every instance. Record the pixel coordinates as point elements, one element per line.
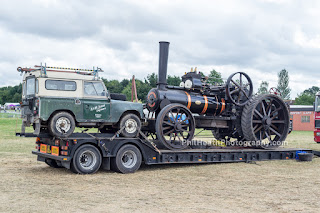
<point>259,37</point>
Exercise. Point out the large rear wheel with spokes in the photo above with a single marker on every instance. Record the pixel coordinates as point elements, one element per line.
<point>175,126</point>
<point>265,121</point>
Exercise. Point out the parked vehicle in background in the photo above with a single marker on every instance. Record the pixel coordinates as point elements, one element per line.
<point>60,99</point>
<point>317,118</point>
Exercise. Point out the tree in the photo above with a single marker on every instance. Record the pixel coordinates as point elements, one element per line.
<point>142,90</point>
<point>307,96</point>
<point>152,80</point>
<point>173,80</point>
<point>10,94</point>
<point>214,77</point>
<point>124,83</point>
<point>263,89</point>
<point>312,90</point>
<point>283,84</point>
<point>304,99</point>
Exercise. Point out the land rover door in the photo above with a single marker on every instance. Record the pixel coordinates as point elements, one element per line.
<point>96,103</point>
<point>30,87</point>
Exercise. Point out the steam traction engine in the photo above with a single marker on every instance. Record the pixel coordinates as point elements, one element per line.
<point>230,110</point>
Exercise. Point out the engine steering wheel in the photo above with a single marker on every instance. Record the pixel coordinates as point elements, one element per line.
<point>239,88</point>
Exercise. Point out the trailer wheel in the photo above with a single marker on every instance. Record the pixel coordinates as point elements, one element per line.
<point>131,124</point>
<point>62,125</point>
<point>52,163</point>
<point>127,160</point>
<point>87,160</point>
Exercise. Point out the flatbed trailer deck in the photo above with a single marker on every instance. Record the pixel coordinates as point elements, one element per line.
<point>85,153</point>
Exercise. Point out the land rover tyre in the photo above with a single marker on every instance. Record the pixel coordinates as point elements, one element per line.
<point>127,160</point>
<point>130,125</point>
<point>62,125</point>
<point>86,160</point>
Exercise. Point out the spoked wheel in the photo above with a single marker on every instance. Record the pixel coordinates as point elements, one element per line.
<point>265,121</point>
<point>239,88</point>
<point>175,126</point>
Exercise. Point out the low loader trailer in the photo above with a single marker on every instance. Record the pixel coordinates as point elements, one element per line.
<point>86,153</point>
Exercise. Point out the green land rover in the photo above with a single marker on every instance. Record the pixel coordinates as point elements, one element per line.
<point>57,101</point>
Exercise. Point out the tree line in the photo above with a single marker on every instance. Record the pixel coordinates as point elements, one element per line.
<point>10,94</point>
<point>13,94</point>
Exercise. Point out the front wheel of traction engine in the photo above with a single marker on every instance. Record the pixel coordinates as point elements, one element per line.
<point>175,126</point>
<point>62,125</point>
<point>87,160</point>
<point>130,125</point>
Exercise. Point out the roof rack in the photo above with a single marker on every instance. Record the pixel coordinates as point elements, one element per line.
<point>43,70</point>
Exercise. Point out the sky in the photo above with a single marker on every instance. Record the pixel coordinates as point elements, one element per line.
<point>259,37</point>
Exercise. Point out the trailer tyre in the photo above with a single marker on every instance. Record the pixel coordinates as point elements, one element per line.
<point>127,160</point>
<point>87,160</point>
<point>62,125</point>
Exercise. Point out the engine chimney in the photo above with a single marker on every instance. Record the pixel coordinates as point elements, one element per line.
<point>163,64</point>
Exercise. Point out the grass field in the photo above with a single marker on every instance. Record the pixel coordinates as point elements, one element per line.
<point>273,186</point>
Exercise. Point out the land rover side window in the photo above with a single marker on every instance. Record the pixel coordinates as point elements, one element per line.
<point>31,86</point>
<point>94,89</point>
<point>61,85</point>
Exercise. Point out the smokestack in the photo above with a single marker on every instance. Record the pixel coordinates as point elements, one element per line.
<point>163,64</point>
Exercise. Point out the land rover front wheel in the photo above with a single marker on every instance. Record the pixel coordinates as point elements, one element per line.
<point>130,125</point>
<point>61,125</point>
